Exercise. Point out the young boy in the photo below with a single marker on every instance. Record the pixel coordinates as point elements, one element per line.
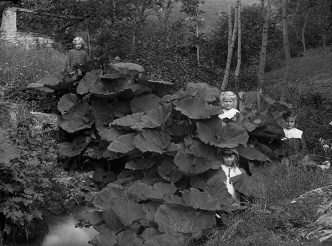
<point>77,56</point>
<point>228,100</point>
<point>237,182</point>
<point>293,144</point>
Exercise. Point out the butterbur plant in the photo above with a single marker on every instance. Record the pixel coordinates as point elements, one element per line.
<point>169,185</point>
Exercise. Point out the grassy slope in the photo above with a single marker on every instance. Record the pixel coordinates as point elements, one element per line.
<point>313,73</point>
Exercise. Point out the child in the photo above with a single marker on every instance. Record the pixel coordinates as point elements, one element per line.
<point>293,144</point>
<point>228,101</point>
<point>237,182</point>
<point>77,56</point>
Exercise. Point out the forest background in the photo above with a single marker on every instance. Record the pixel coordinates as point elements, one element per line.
<point>162,36</point>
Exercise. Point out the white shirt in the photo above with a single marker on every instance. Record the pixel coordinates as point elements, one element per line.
<point>230,172</point>
<point>293,133</point>
<point>228,113</point>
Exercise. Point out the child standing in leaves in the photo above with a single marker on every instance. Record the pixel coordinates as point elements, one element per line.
<point>237,182</point>
<point>77,56</point>
<point>293,144</point>
<point>228,100</point>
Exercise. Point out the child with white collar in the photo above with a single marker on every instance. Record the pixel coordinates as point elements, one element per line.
<point>293,143</point>
<point>237,182</point>
<point>228,100</point>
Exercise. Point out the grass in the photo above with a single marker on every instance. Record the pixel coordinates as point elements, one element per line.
<point>21,66</point>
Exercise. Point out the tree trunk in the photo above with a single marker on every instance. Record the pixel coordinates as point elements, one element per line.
<point>262,58</point>
<point>238,64</point>
<point>324,43</point>
<point>230,51</point>
<point>285,86</point>
<point>230,24</point>
<point>303,32</point>
<point>197,47</point>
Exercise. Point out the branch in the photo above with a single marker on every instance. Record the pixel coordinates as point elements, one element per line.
<point>51,14</point>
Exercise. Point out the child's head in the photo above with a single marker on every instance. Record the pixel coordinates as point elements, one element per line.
<point>228,100</point>
<point>78,43</point>
<point>230,157</point>
<point>290,118</point>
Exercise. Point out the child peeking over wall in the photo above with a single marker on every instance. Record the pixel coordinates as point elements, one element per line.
<point>237,181</point>
<point>228,100</point>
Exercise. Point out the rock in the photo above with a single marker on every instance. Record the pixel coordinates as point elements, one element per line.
<point>315,205</point>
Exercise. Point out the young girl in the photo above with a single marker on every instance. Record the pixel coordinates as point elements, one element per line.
<point>293,143</point>
<point>237,182</point>
<point>77,56</point>
<point>228,100</point>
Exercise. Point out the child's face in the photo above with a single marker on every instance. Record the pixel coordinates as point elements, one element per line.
<point>78,46</point>
<point>290,122</point>
<point>229,160</point>
<point>228,103</point>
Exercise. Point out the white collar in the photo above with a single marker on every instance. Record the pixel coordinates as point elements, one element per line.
<point>228,113</point>
<point>293,133</point>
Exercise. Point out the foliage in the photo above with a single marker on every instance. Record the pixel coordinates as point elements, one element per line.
<point>166,144</point>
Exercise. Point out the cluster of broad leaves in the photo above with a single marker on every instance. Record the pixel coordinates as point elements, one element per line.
<point>170,185</point>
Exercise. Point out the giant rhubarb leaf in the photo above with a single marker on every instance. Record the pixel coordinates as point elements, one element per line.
<point>140,164</point>
<point>196,108</point>
<point>166,240</point>
<point>158,192</point>
<point>115,197</point>
<point>200,200</point>
<point>110,134</point>
<point>105,238</point>
<point>52,82</point>
<point>151,119</point>
<point>203,90</point>
<point>169,171</point>
<point>123,144</point>
<point>152,141</point>
<point>103,113</point>
<point>77,118</point>
<point>172,219</point>
<point>200,149</point>
<point>70,149</point>
<point>216,133</point>
<point>128,238</point>
<point>112,220</point>
<point>190,164</point>
<point>144,103</point>
<point>66,102</point>
<point>128,69</point>
<point>251,153</point>
<point>88,81</point>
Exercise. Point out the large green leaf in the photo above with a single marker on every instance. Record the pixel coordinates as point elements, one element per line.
<point>88,81</point>
<point>251,153</point>
<point>66,102</point>
<point>128,238</point>
<point>140,164</point>
<point>115,197</point>
<point>103,113</point>
<point>123,144</point>
<point>105,237</point>
<point>152,141</point>
<point>169,171</point>
<point>52,82</point>
<point>128,69</point>
<point>196,108</point>
<point>110,134</point>
<point>78,117</point>
<point>200,149</point>
<point>215,186</point>
<point>151,119</point>
<point>158,192</point>
<point>216,133</point>
<point>149,233</point>
<point>166,240</point>
<point>203,90</point>
<point>144,103</point>
<point>200,200</point>
<point>172,219</point>
<point>70,149</point>
<point>112,220</point>
<point>160,87</point>
<point>190,164</point>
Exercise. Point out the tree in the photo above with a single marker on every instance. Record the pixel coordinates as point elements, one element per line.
<point>238,64</point>
<point>230,51</point>
<point>285,86</point>
<point>262,59</point>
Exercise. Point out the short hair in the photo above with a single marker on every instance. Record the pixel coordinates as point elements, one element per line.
<point>289,114</point>
<point>78,40</point>
<point>229,94</point>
